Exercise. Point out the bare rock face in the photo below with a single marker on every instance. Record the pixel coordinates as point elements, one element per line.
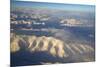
<point>51,45</point>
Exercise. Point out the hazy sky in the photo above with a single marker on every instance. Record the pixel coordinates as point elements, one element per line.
<point>56,6</point>
<point>89,2</point>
